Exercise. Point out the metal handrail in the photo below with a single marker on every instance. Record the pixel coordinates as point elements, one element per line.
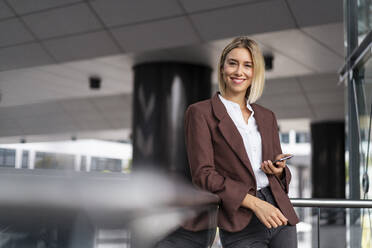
<point>360,54</point>
<point>331,203</point>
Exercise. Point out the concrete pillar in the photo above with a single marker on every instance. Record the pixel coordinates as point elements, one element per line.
<point>31,159</point>
<point>162,92</point>
<point>328,179</point>
<point>18,158</point>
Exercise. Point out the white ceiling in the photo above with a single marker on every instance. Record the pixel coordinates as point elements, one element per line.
<point>51,47</point>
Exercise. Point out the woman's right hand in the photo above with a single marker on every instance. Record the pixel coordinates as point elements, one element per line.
<point>269,215</point>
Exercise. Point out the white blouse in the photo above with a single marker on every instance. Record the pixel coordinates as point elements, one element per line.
<point>251,139</point>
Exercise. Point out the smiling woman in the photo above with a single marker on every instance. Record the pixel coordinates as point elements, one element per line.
<point>231,143</point>
<point>243,56</point>
<point>237,72</point>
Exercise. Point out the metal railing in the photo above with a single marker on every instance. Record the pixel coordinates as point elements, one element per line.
<point>335,211</point>
<point>144,205</point>
<point>331,203</point>
<point>114,201</point>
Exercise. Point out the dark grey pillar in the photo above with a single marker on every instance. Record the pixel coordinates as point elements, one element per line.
<point>328,180</point>
<point>328,159</point>
<point>162,92</point>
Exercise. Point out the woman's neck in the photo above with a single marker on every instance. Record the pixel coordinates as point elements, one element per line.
<point>239,99</point>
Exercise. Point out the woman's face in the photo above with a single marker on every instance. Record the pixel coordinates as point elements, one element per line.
<point>238,71</point>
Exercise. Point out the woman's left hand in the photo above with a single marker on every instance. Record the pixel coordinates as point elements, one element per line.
<point>269,168</point>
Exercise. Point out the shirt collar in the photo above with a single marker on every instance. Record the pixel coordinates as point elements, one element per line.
<point>234,104</point>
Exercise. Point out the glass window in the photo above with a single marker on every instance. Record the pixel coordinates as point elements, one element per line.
<point>2,157</point>
<point>25,159</point>
<point>284,138</point>
<point>7,158</point>
<point>302,137</point>
<point>83,163</point>
<point>364,18</point>
<point>45,160</point>
<point>106,165</point>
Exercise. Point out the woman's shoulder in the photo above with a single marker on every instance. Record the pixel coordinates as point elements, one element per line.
<point>201,107</point>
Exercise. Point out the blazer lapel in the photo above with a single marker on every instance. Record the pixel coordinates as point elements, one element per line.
<point>230,132</point>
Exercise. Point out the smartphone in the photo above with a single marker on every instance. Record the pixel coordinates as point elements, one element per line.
<point>282,159</point>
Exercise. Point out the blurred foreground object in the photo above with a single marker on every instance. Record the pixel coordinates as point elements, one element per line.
<point>75,209</point>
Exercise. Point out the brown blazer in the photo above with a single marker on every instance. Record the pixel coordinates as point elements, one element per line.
<point>219,163</point>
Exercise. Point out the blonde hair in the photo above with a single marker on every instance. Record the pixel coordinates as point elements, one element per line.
<point>254,92</point>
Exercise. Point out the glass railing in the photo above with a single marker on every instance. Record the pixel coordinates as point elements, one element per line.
<point>42,208</point>
<point>53,209</point>
<point>334,223</point>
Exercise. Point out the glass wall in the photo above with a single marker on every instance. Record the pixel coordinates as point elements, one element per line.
<point>81,155</point>
<point>364,18</point>
<point>357,74</point>
<point>363,89</point>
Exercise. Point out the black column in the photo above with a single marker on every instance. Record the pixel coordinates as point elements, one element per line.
<point>328,180</point>
<point>328,159</point>
<point>162,92</point>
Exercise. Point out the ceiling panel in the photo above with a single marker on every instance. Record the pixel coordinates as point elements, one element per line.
<point>8,124</point>
<point>121,12</point>
<point>47,124</point>
<point>121,112</point>
<point>330,112</point>
<point>15,33</point>
<point>62,21</point>
<point>67,116</point>
<point>316,12</point>
<point>110,102</point>
<point>63,71</point>
<point>305,50</point>
<point>281,86</point>
<point>96,67</point>
<point>121,61</point>
<point>34,92</point>
<point>322,82</point>
<point>43,80</point>
<point>77,106</point>
<point>286,67</point>
<point>23,56</point>
<point>47,86</point>
<point>156,35</point>
<point>197,5</point>
<point>5,12</point>
<point>15,131</point>
<point>42,109</point>
<point>331,35</point>
<point>119,123</point>
<point>243,20</point>
<point>326,97</point>
<point>23,7</point>
<point>91,121</point>
<point>79,47</point>
<point>22,111</point>
<point>118,119</point>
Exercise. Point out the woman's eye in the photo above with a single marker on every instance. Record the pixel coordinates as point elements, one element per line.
<point>248,65</point>
<point>232,63</point>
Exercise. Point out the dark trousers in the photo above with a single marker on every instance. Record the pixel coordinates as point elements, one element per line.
<point>183,238</point>
<point>257,235</point>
